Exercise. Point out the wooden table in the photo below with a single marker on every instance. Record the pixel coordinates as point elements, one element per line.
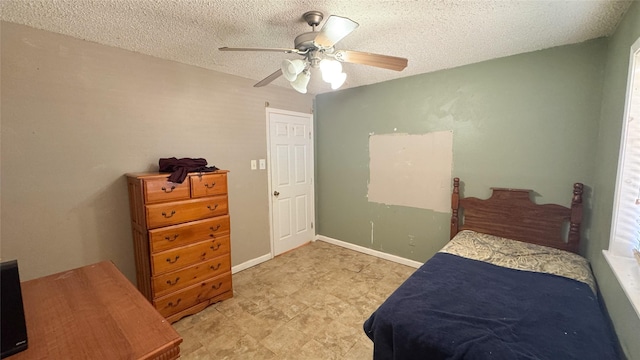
<point>93,312</point>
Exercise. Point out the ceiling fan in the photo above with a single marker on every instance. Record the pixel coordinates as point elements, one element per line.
<point>317,50</point>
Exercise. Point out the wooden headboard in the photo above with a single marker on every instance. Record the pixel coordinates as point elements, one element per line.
<point>510,213</point>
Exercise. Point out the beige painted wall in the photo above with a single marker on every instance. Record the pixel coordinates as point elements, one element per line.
<point>77,116</point>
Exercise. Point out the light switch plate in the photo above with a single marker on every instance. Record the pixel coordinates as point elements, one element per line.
<point>263,164</point>
<point>253,165</point>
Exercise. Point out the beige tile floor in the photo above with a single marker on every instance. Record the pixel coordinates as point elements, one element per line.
<point>308,304</point>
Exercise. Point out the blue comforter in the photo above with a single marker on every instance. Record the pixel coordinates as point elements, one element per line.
<point>458,308</point>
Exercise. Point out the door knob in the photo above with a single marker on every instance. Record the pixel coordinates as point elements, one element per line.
<point>275,193</point>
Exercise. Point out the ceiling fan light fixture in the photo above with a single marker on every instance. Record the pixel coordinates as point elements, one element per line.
<point>330,69</point>
<point>338,81</point>
<point>292,68</point>
<point>301,82</point>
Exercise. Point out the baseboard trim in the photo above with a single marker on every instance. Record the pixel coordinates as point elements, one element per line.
<point>400,260</point>
<point>251,263</point>
<point>376,253</point>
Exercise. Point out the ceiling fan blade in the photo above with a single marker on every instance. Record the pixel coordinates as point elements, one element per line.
<point>382,61</point>
<point>269,79</point>
<point>334,30</point>
<point>288,51</point>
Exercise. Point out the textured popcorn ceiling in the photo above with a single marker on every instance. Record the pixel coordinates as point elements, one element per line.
<point>433,35</point>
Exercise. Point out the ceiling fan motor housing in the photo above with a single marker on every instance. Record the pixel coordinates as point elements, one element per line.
<point>304,42</point>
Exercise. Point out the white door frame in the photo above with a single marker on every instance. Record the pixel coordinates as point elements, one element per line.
<point>270,111</point>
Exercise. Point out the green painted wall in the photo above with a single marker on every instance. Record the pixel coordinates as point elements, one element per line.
<point>620,310</point>
<point>541,120</point>
<point>525,121</point>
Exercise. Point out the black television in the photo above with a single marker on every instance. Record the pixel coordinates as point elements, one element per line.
<point>14,328</point>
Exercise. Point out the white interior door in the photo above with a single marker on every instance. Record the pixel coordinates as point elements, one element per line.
<point>291,179</point>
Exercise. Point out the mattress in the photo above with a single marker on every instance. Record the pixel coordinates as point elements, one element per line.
<point>484,297</point>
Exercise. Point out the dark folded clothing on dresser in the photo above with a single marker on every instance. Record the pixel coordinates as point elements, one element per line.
<point>179,168</point>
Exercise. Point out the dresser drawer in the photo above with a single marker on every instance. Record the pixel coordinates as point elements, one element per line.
<point>179,235</point>
<point>173,281</point>
<point>178,258</point>
<point>160,190</point>
<point>192,295</point>
<point>178,212</point>
<point>208,184</point>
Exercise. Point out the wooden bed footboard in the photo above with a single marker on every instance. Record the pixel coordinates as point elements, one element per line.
<point>510,213</point>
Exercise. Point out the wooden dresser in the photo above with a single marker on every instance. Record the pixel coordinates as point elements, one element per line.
<point>181,235</point>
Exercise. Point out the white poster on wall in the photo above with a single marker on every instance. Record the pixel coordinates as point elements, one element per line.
<point>411,170</point>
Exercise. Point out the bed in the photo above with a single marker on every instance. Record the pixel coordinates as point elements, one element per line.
<point>508,285</point>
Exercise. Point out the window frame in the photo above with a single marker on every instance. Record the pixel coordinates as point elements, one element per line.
<point>624,265</point>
